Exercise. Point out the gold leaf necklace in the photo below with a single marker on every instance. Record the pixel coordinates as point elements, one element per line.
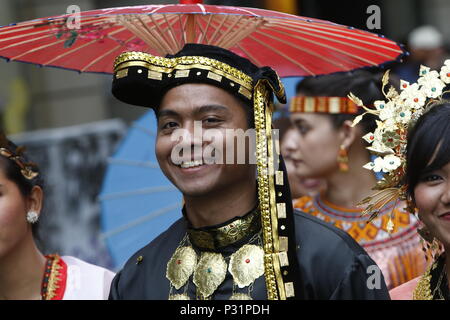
<point>210,270</point>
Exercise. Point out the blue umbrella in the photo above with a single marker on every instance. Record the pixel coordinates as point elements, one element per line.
<point>137,201</point>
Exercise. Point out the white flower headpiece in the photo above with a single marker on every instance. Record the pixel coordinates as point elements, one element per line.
<point>396,116</point>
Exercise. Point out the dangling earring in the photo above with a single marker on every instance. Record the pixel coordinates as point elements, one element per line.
<point>342,159</point>
<point>431,247</point>
<point>32,217</point>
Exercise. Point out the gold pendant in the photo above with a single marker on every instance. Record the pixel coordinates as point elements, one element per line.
<point>181,266</point>
<point>209,273</point>
<point>179,297</point>
<point>240,296</point>
<point>247,265</point>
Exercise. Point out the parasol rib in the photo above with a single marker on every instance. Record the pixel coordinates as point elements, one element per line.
<point>171,33</point>
<point>349,35</point>
<point>204,34</point>
<point>335,40</point>
<point>77,48</point>
<point>101,57</point>
<point>146,38</point>
<point>36,49</point>
<point>228,33</point>
<point>27,41</point>
<point>183,34</point>
<point>242,32</point>
<point>141,220</point>
<point>147,30</point>
<point>332,48</point>
<point>251,57</point>
<point>211,40</point>
<point>281,54</point>
<point>124,194</point>
<point>311,52</point>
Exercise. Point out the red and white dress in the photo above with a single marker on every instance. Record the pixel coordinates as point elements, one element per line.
<point>69,278</point>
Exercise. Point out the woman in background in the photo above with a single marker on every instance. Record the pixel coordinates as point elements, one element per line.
<point>332,148</point>
<point>25,272</point>
<point>288,137</point>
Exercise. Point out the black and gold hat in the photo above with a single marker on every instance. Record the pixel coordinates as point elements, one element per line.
<point>142,79</point>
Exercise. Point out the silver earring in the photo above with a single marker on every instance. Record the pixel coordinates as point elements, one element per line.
<point>32,217</point>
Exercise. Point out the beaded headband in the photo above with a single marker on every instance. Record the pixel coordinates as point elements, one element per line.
<point>332,105</point>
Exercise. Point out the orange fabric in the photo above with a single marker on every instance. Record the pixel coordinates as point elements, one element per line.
<point>399,254</point>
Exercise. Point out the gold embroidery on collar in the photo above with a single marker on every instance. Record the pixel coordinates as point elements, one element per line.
<point>220,237</point>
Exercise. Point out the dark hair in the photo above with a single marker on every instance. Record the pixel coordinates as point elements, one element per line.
<point>13,173</point>
<point>283,124</point>
<point>366,85</point>
<point>428,140</point>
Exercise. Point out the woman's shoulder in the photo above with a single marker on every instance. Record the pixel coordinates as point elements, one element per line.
<point>86,281</point>
<point>85,266</point>
<point>405,290</point>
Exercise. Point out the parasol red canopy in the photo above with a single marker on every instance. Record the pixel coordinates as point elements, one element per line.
<point>292,45</point>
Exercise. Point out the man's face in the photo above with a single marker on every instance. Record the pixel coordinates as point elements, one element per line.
<point>186,158</point>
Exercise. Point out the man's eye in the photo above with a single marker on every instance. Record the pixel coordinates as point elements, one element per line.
<point>212,120</point>
<point>169,125</point>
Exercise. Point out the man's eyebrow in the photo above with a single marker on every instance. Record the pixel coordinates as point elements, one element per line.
<point>200,110</point>
<point>210,107</point>
<point>166,113</point>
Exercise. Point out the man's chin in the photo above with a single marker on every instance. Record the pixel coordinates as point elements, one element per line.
<point>195,191</point>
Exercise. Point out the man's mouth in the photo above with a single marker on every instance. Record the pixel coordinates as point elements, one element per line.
<point>190,164</point>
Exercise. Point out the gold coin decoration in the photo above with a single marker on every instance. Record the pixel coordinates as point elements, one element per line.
<point>209,273</point>
<point>179,297</point>
<point>240,296</point>
<point>181,266</point>
<point>247,265</point>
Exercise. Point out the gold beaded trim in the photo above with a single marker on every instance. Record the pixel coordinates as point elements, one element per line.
<point>266,193</point>
<point>168,65</point>
<point>423,290</point>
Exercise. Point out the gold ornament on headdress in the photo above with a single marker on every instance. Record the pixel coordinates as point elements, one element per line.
<point>26,168</point>
<point>388,142</point>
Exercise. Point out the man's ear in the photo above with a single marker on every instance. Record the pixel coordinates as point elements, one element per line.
<point>36,199</point>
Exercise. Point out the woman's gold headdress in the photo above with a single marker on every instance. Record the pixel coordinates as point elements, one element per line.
<point>388,142</point>
<point>28,169</point>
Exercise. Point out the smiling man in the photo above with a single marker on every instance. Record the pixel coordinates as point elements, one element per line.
<point>239,237</point>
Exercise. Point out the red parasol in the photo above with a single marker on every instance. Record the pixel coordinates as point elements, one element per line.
<point>293,45</point>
